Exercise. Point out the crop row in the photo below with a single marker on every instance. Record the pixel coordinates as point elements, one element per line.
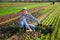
<point>53,19</point>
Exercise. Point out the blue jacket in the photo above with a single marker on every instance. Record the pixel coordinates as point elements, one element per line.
<point>27,18</point>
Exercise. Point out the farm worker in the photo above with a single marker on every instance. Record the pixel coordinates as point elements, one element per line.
<point>25,18</point>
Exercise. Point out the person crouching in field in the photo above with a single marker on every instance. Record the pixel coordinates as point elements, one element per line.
<point>25,18</point>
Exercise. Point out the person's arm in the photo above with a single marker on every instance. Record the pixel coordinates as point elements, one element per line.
<point>26,24</point>
<point>33,18</point>
<point>21,17</point>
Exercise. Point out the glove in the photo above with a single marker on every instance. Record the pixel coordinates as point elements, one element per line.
<point>39,24</point>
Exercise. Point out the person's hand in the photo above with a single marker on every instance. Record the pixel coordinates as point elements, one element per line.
<point>38,24</point>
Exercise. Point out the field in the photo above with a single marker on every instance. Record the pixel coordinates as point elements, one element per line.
<point>46,13</point>
<point>8,8</point>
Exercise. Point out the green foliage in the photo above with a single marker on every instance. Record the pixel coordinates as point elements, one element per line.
<point>12,8</point>
<point>48,8</point>
<point>56,22</point>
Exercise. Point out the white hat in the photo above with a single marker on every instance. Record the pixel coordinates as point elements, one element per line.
<point>25,8</point>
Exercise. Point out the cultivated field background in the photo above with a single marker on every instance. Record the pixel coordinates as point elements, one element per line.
<point>46,12</point>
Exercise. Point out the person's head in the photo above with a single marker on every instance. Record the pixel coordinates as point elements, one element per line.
<point>24,10</point>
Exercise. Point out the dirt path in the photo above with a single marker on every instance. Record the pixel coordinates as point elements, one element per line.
<point>11,17</point>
